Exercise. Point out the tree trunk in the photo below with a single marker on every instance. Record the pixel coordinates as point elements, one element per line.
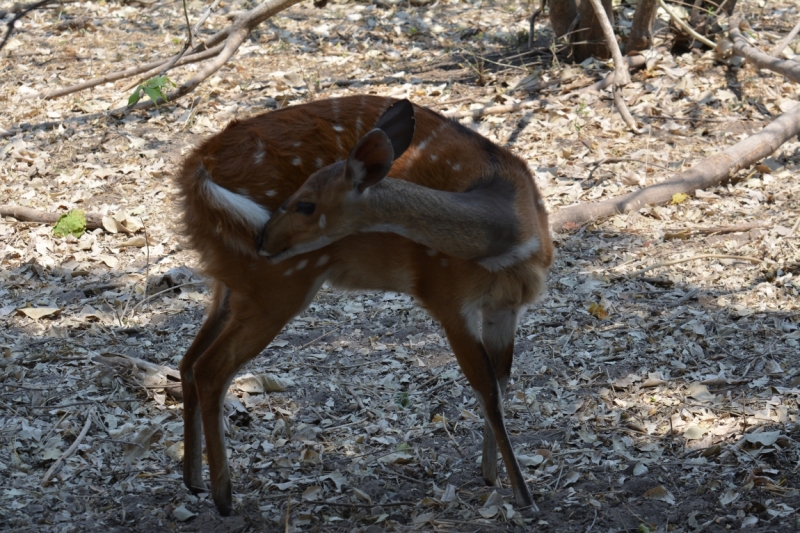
<point>641,36</point>
<point>588,39</point>
<point>562,13</point>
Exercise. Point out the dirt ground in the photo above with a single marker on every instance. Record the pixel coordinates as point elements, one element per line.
<point>663,400</point>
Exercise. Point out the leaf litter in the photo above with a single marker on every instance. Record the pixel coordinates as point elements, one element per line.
<point>666,399</point>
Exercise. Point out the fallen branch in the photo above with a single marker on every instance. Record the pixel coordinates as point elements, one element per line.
<point>28,214</point>
<point>709,172</point>
<point>639,272</point>
<point>127,73</point>
<point>688,29</point>
<point>20,12</point>
<point>785,42</point>
<point>494,110</point>
<point>159,376</point>
<point>634,63</point>
<point>680,233</point>
<point>53,469</point>
<point>234,36</point>
<point>788,69</point>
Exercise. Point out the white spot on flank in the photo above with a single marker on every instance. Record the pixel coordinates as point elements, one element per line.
<point>301,265</point>
<point>258,158</point>
<point>358,125</point>
<point>434,157</point>
<point>337,127</point>
<point>320,162</point>
<point>457,167</point>
<point>271,193</point>
<point>297,161</point>
<point>322,260</point>
<point>288,272</point>
<point>323,221</point>
<point>298,144</point>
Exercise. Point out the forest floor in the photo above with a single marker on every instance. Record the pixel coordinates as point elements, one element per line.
<point>660,401</point>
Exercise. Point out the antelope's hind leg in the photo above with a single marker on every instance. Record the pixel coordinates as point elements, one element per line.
<point>251,320</point>
<point>218,316</point>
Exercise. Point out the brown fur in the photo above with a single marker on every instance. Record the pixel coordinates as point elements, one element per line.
<point>255,298</point>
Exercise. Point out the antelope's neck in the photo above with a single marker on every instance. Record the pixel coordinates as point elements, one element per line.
<point>477,224</point>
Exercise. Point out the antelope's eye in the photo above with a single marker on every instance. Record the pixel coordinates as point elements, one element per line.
<point>306,208</point>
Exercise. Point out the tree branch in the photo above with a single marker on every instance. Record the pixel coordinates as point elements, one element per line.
<point>133,71</point>
<point>688,29</point>
<point>788,69</point>
<point>786,40</point>
<point>707,173</point>
<point>621,75</point>
<point>27,214</point>
<point>21,13</point>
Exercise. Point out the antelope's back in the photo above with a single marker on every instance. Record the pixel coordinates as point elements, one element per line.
<point>267,157</point>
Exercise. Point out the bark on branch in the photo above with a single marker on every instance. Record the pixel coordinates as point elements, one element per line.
<point>27,214</point>
<point>788,69</point>
<point>709,172</point>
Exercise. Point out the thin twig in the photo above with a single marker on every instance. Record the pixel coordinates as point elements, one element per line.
<point>694,257</point>
<point>688,29</point>
<point>785,42</point>
<point>364,505</point>
<point>53,469</point>
<point>21,13</point>
<point>159,293</point>
<point>494,110</point>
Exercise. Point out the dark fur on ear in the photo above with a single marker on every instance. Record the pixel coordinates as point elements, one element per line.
<point>398,124</point>
<point>370,160</point>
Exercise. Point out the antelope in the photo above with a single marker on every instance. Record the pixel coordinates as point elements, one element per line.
<point>364,192</point>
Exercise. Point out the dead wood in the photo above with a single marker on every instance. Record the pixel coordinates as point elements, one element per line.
<point>641,36</point>
<point>671,262</point>
<point>494,110</point>
<point>634,63</point>
<point>786,40</point>
<point>27,214</point>
<point>683,24</point>
<point>148,374</point>
<point>788,69</point>
<point>74,446</point>
<point>621,75</point>
<point>709,172</point>
<point>683,233</point>
<point>133,71</point>
<point>221,47</point>
<point>19,12</point>
<point>588,39</point>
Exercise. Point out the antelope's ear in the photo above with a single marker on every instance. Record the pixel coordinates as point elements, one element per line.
<point>370,160</point>
<point>398,124</point>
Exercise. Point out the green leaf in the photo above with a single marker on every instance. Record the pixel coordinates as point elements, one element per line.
<point>71,223</point>
<point>154,93</point>
<point>152,88</point>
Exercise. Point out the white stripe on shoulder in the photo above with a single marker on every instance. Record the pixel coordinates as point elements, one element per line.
<point>516,254</point>
<point>239,206</point>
